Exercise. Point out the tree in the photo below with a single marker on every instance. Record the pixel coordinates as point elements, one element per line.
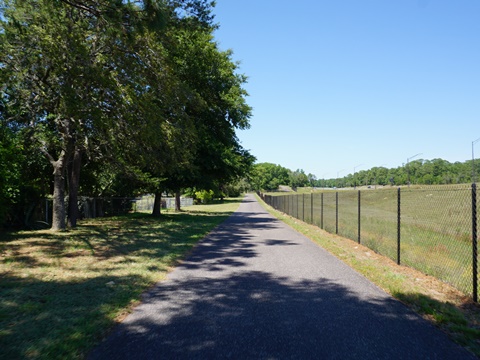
<point>268,176</point>
<point>9,172</point>
<point>138,85</point>
<point>216,105</point>
<point>65,64</point>
<point>22,177</point>
<point>37,39</point>
<point>298,179</point>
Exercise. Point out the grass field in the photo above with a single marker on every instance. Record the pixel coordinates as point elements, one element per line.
<point>436,225</point>
<point>60,293</point>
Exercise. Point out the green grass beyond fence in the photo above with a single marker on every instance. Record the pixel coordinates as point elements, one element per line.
<point>435,230</point>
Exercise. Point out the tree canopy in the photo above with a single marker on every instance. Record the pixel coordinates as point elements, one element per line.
<point>132,90</point>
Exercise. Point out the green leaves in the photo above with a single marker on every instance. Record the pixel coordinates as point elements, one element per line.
<point>267,176</point>
<point>138,85</point>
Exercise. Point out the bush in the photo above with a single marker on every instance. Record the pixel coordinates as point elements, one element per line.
<point>205,196</point>
<point>232,190</point>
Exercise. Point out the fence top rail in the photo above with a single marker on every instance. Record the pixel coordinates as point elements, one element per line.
<point>413,188</point>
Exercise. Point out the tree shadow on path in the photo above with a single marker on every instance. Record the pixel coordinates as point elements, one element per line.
<point>215,306</point>
<point>252,315</point>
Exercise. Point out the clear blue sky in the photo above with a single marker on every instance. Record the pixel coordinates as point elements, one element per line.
<point>336,84</point>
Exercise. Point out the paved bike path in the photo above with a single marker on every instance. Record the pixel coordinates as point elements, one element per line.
<point>256,289</point>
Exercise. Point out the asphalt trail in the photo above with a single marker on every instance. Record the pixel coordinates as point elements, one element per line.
<point>256,289</point>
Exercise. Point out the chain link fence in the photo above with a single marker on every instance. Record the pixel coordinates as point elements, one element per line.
<point>145,203</point>
<point>431,229</point>
<point>40,215</point>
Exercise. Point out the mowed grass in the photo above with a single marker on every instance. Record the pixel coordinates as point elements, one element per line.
<point>436,225</point>
<point>60,293</point>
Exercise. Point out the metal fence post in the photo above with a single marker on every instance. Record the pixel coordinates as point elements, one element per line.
<point>290,198</point>
<point>321,211</point>
<point>296,201</point>
<point>359,216</point>
<point>474,243</point>
<point>398,226</point>
<point>311,209</point>
<point>290,205</point>
<point>336,213</point>
<point>303,207</point>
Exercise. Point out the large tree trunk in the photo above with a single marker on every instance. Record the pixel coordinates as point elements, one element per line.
<point>178,205</point>
<point>74,184</point>
<point>58,216</point>
<point>157,204</point>
<point>59,170</point>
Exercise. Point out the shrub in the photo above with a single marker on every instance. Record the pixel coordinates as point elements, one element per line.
<point>205,196</point>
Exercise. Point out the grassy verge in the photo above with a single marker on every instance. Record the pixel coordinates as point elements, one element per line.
<point>60,293</point>
<point>438,302</point>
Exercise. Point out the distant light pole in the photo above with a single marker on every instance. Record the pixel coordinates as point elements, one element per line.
<point>408,168</point>
<point>338,173</point>
<point>354,182</point>
<point>473,160</point>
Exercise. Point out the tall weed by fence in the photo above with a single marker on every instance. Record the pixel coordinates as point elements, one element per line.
<point>427,228</point>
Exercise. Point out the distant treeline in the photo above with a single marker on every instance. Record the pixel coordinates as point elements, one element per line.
<point>269,176</point>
